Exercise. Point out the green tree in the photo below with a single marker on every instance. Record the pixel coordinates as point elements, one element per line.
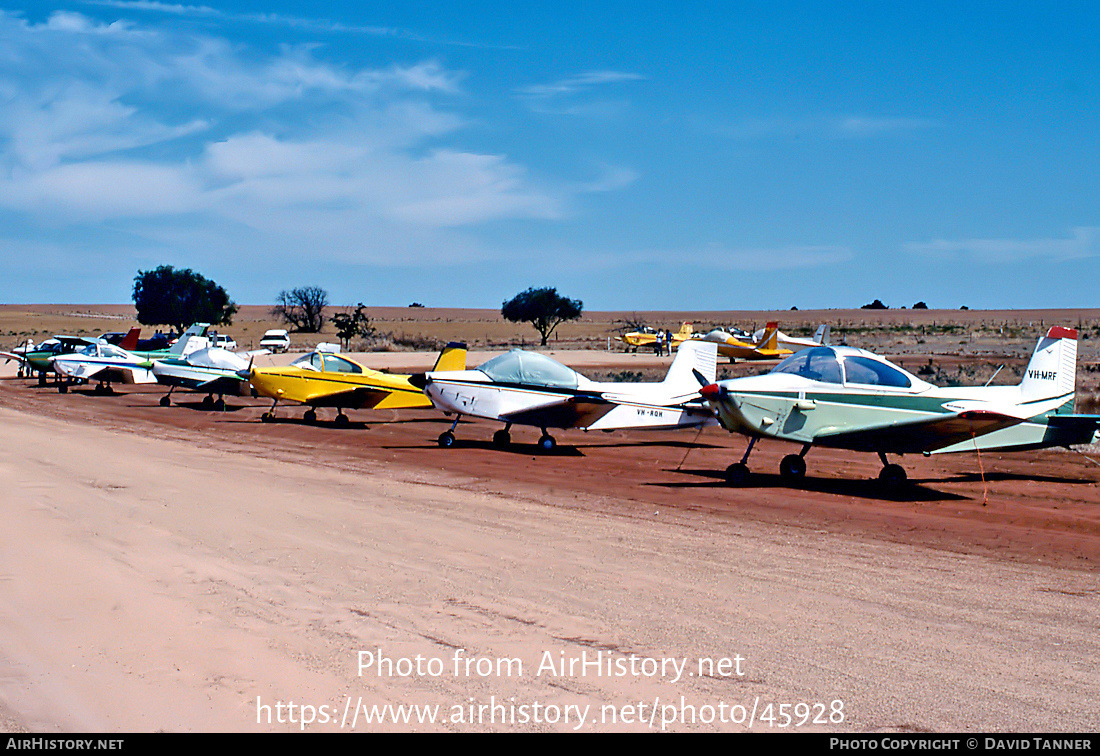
<point>178,298</point>
<point>350,324</point>
<point>303,308</point>
<point>543,308</point>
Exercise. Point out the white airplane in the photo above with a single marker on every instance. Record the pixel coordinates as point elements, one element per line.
<point>528,388</point>
<point>847,398</point>
<point>111,364</point>
<point>213,370</point>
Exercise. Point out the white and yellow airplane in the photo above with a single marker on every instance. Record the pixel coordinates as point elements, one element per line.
<point>528,388</point>
<point>763,347</point>
<point>327,379</point>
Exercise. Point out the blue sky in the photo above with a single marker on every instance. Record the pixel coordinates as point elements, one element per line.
<point>637,156</point>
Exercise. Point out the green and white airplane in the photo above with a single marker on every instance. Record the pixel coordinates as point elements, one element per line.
<point>847,398</point>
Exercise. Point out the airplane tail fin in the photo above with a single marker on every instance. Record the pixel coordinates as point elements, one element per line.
<point>193,339</point>
<point>685,331</point>
<point>453,357</point>
<point>130,340</point>
<point>695,357</point>
<point>770,338</point>
<point>1052,371</point>
<point>821,336</point>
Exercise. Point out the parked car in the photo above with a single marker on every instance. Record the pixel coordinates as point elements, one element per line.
<point>277,340</point>
<point>224,341</point>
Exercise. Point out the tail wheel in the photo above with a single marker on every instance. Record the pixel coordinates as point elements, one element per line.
<point>446,439</point>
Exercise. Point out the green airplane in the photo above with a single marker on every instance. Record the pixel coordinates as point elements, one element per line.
<point>846,398</point>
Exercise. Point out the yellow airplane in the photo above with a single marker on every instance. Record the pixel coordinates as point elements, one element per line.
<point>326,379</point>
<point>647,337</point>
<point>765,348</point>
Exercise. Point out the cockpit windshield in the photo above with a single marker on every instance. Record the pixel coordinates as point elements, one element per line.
<point>868,372</point>
<point>326,362</point>
<point>529,368</point>
<point>825,365</point>
<point>816,363</point>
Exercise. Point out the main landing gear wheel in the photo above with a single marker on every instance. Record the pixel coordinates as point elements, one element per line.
<point>102,388</point>
<point>501,439</point>
<point>547,443</point>
<point>310,416</point>
<point>793,467</point>
<point>62,388</point>
<point>341,420</point>
<point>208,402</point>
<point>893,475</point>
<point>219,405</point>
<point>165,402</point>
<point>737,474</point>
<point>446,439</point>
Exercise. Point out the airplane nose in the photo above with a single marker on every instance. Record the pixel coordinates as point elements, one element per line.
<point>711,392</point>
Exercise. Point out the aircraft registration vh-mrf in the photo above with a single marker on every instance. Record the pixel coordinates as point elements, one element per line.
<point>846,398</point>
<point>528,388</point>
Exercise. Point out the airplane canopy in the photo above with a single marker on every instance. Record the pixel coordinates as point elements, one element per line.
<point>827,365</point>
<point>530,368</point>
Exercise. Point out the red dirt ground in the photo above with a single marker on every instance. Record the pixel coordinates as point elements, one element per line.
<point>1030,507</point>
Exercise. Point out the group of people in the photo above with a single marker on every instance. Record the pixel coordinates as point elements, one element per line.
<point>663,344</point>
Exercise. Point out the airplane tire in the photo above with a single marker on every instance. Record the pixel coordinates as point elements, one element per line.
<point>501,439</point>
<point>792,467</point>
<point>341,420</point>
<point>446,439</point>
<point>267,417</point>
<point>207,402</point>
<point>219,405</point>
<point>165,402</point>
<point>310,416</point>
<point>893,475</point>
<point>62,388</point>
<point>547,443</point>
<point>737,474</point>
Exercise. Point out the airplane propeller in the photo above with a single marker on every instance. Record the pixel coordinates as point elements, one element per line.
<point>709,391</point>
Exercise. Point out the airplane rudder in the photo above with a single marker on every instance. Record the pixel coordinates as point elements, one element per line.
<point>453,357</point>
<point>1052,370</point>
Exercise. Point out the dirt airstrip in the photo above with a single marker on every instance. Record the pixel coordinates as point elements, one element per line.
<point>179,569</point>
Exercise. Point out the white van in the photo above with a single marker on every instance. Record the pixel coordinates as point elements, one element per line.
<point>277,340</point>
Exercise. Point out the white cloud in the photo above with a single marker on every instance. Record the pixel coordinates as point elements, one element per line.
<point>1083,242</point>
<point>197,141</point>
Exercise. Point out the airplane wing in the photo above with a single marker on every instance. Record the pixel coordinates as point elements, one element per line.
<point>922,435</point>
<point>360,397</point>
<point>566,412</point>
<point>83,370</point>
